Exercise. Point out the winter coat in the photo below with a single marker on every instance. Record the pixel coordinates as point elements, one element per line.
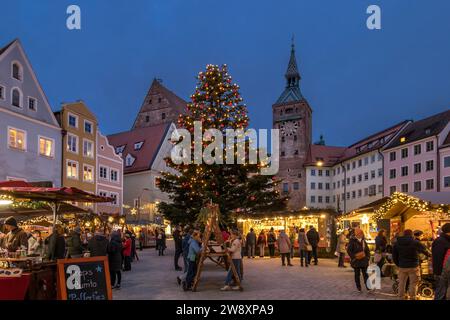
<point>380,244</point>
<point>439,249</point>
<point>74,245</point>
<point>271,238</point>
<point>56,246</point>
<point>313,237</point>
<point>161,242</point>
<point>35,246</point>
<point>15,239</point>
<point>98,246</point>
<point>115,253</point>
<point>235,249</point>
<point>194,249</point>
<point>406,251</point>
<point>284,243</point>
<point>342,243</point>
<point>251,238</point>
<point>185,245</point>
<point>178,240</point>
<point>302,241</point>
<point>262,240</point>
<point>126,247</point>
<point>355,246</point>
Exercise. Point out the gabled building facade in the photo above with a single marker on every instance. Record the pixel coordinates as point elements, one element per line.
<point>30,136</point>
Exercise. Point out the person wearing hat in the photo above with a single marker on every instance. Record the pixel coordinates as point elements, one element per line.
<point>440,250</point>
<point>74,243</point>
<point>16,237</point>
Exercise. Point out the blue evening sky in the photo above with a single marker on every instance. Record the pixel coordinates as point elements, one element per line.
<point>357,81</point>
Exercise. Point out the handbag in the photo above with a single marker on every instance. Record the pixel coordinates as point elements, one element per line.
<point>360,255</point>
<point>308,247</point>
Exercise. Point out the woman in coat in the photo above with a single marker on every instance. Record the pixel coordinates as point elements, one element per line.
<point>341,248</point>
<point>115,259</point>
<point>271,240</point>
<point>303,244</point>
<point>161,242</point>
<point>359,253</point>
<point>126,252</point>
<point>261,243</point>
<point>380,248</point>
<point>284,246</point>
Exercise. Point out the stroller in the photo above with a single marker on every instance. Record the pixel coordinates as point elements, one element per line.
<point>425,285</point>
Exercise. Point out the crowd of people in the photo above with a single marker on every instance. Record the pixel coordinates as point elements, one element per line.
<point>62,242</point>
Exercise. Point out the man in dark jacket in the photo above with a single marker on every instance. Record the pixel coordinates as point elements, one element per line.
<point>74,245</point>
<point>115,259</point>
<point>405,254</point>
<point>98,245</point>
<point>313,239</point>
<point>251,244</point>
<point>16,237</point>
<point>441,268</point>
<point>177,239</point>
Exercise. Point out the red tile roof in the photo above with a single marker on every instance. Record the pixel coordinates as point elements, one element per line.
<point>152,138</point>
<point>327,154</point>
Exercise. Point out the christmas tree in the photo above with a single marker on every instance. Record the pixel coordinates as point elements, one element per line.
<point>236,188</point>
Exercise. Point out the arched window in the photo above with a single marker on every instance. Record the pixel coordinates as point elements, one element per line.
<point>16,71</point>
<point>16,98</point>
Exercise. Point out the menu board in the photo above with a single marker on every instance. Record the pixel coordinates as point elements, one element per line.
<point>84,279</point>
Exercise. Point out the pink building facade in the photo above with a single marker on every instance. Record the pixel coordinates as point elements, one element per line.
<point>415,160</point>
<point>109,176</point>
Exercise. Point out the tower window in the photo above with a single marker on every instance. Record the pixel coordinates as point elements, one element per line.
<point>150,101</point>
<point>147,118</point>
<point>163,115</point>
<point>159,100</point>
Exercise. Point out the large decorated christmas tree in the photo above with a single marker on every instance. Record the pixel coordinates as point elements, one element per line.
<point>236,188</point>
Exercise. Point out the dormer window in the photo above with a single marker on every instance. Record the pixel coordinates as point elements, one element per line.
<point>16,71</point>
<point>129,160</point>
<point>427,131</point>
<point>120,149</point>
<point>138,145</point>
<point>16,98</point>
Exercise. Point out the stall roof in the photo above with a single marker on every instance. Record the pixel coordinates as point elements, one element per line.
<point>64,208</point>
<point>433,197</point>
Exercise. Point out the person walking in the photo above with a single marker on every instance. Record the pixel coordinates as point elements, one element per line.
<point>303,244</point>
<point>98,245</point>
<point>236,259</point>
<point>141,239</point>
<point>313,239</point>
<point>178,240</point>
<point>187,236</point>
<point>194,249</point>
<point>126,252</point>
<point>341,248</point>
<point>359,253</point>
<point>261,243</point>
<point>35,244</point>
<point>284,246</point>
<point>161,242</point>
<point>251,243</point>
<point>115,259</point>
<point>74,243</point>
<point>380,249</point>
<point>271,240</point>
<point>440,250</point>
<point>405,254</point>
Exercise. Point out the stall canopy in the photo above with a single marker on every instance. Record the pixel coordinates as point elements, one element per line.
<point>19,211</point>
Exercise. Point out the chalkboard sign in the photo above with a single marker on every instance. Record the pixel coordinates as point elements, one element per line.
<point>84,279</point>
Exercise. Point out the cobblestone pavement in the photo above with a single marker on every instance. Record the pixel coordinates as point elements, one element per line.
<point>154,277</point>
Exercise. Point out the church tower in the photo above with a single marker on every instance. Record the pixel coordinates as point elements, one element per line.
<point>292,116</point>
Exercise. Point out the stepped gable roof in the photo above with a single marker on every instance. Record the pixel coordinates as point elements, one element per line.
<point>140,145</point>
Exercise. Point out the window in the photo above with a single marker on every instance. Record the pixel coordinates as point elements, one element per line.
<point>446,162</point>
<point>338,184</point>
<point>429,165</point>
<point>417,149</point>
<point>372,190</point>
<point>313,172</point>
<point>359,162</point>
<point>2,93</point>
<point>103,194</point>
<point>283,139</point>
<point>380,188</point>
<point>430,184</point>
<point>138,145</point>
<point>313,199</point>
<point>296,152</point>
<point>285,187</point>
<point>417,168</point>
<point>348,166</point>
<point>327,199</point>
<point>392,156</point>
<point>114,175</point>
<point>404,171</point>
<point>72,143</point>
<point>88,148</point>
<point>72,169</point>
<point>334,185</point>
<point>87,126</point>
<point>313,185</point>
<point>417,186</point>
<point>354,179</point>
<point>147,118</point>
<point>359,193</point>
<point>46,147</point>
<point>283,153</point>
<point>16,98</point>
<point>32,103</point>
<point>404,153</point>
<point>320,172</point>
<point>16,71</point>
<point>372,159</point>
<point>353,164</point>
<point>372,174</point>
<point>392,174</point>
<point>392,189</point>
<point>348,181</point>
<point>348,195</point>
<point>446,182</point>
<point>296,185</point>
<point>159,100</point>
<point>327,173</point>
<point>339,170</point>
<point>320,185</point>
<point>114,196</point>
<point>366,176</point>
<point>359,177</point>
<point>103,173</point>
<point>163,116</point>
<point>366,161</point>
<point>129,160</point>
<point>404,187</point>
<point>88,173</point>
<point>327,186</point>
<point>353,194</point>
<point>430,146</point>
<point>334,198</point>
<point>366,192</point>
<point>295,137</point>
<point>17,139</point>
<point>380,172</point>
<point>319,199</point>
